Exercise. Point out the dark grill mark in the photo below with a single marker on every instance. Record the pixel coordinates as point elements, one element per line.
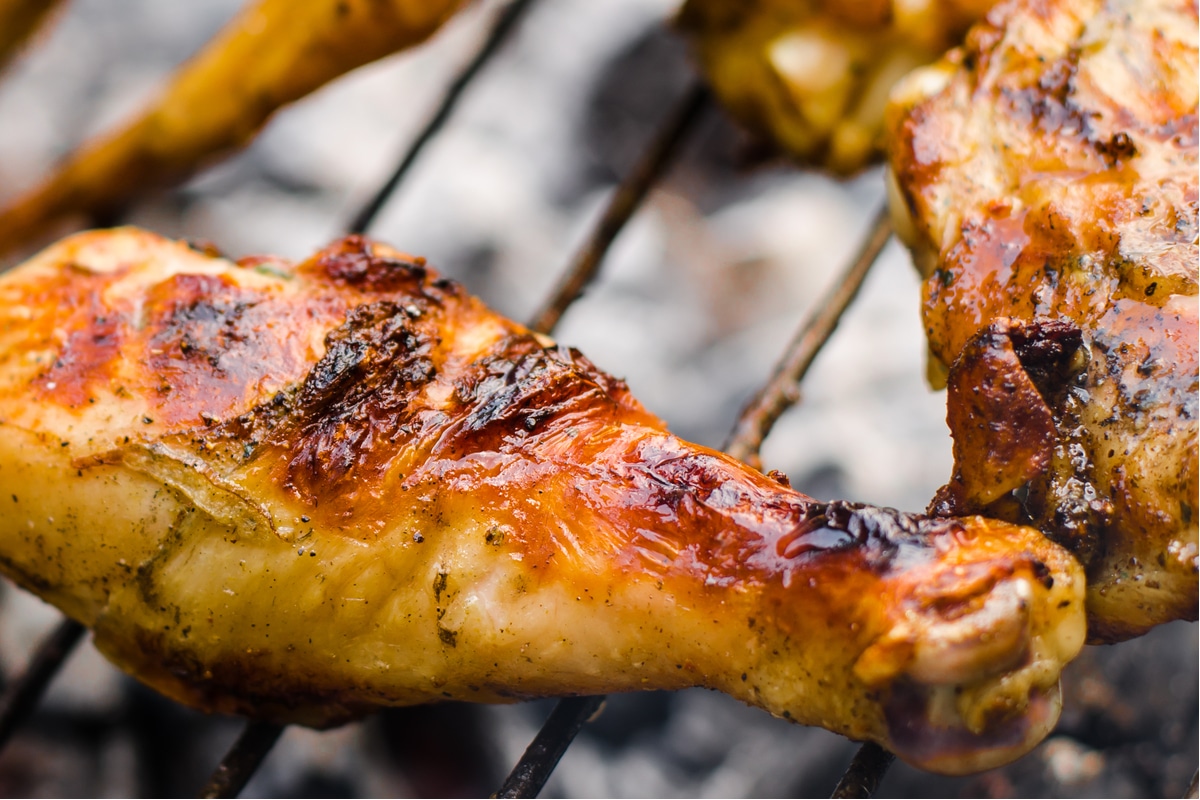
<point>1046,349</point>
<point>356,399</point>
<point>353,262</point>
<point>524,389</point>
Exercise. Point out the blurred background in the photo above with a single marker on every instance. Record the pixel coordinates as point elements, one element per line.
<point>695,303</point>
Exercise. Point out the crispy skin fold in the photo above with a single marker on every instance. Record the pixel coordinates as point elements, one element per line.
<point>302,492</point>
<point>272,53</point>
<point>814,75</point>
<point>1046,176</point>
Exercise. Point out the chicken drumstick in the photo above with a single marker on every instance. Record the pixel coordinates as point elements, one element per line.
<point>302,492</point>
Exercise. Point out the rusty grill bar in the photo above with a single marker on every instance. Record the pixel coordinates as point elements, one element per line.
<point>542,756</point>
<point>21,697</point>
<point>505,21</point>
<point>242,760</point>
<point>625,200</point>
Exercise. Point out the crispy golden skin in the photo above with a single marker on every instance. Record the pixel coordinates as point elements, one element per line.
<point>298,493</point>
<point>1046,176</point>
<point>814,75</point>
<point>272,53</point>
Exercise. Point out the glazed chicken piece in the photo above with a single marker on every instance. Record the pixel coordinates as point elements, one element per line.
<point>302,492</point>
<point>272,53</point>
<point>1046,177</point>
<point>814,75</point>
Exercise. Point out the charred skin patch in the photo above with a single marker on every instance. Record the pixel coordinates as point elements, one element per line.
<point>1048,105</point>
<point>356,401</point>
<point>1003,429</point>
<point>1004,407</point>
<point>1047,351</point>
<point>751,530</point>
<point>523,418</point>
<point>523,389</point>
<point>85,361</point>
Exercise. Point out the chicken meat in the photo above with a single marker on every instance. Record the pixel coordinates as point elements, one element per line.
<point>814,75</point>
<point>301,492</point>
<point>272,53</point>
<point>1046,176</point>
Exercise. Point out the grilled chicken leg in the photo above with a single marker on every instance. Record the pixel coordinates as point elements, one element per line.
<point>301,492</point>
<point>1046,177</point>
<point>272,53</point>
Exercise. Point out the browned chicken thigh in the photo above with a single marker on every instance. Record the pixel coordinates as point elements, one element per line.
<point>1046,176</point>
<point>300,492</point>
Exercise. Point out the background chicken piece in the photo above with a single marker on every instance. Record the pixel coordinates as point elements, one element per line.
<point>1047,180</point>
<point>19,19</point>
<point>272,53</point>
<point>300,494</point>
<point>814,75</point>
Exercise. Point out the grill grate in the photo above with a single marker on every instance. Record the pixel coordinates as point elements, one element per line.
<point>242,760</point>
<point>533,770</point>
<point>22,696</point>
<point>570,715</point>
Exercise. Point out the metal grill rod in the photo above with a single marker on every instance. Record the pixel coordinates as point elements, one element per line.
<point>868,768</point>
<point>23,695</point>
<point>505,21</point>
<point>871,762</point>
<point>865,772</point>
<point>530,774</point>
<point>625,200</point>
<point>242,760</point>
<point>783,389</point>
<point>542,756</point>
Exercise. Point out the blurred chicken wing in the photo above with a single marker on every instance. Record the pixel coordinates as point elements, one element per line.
<point>272,53</point>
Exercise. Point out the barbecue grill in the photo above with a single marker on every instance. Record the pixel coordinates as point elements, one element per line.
<point>645,95</point>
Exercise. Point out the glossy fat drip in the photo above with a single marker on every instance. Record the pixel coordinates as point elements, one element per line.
<point>1046,176</point>
<point>299,493</point>
<point>813,76</point>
